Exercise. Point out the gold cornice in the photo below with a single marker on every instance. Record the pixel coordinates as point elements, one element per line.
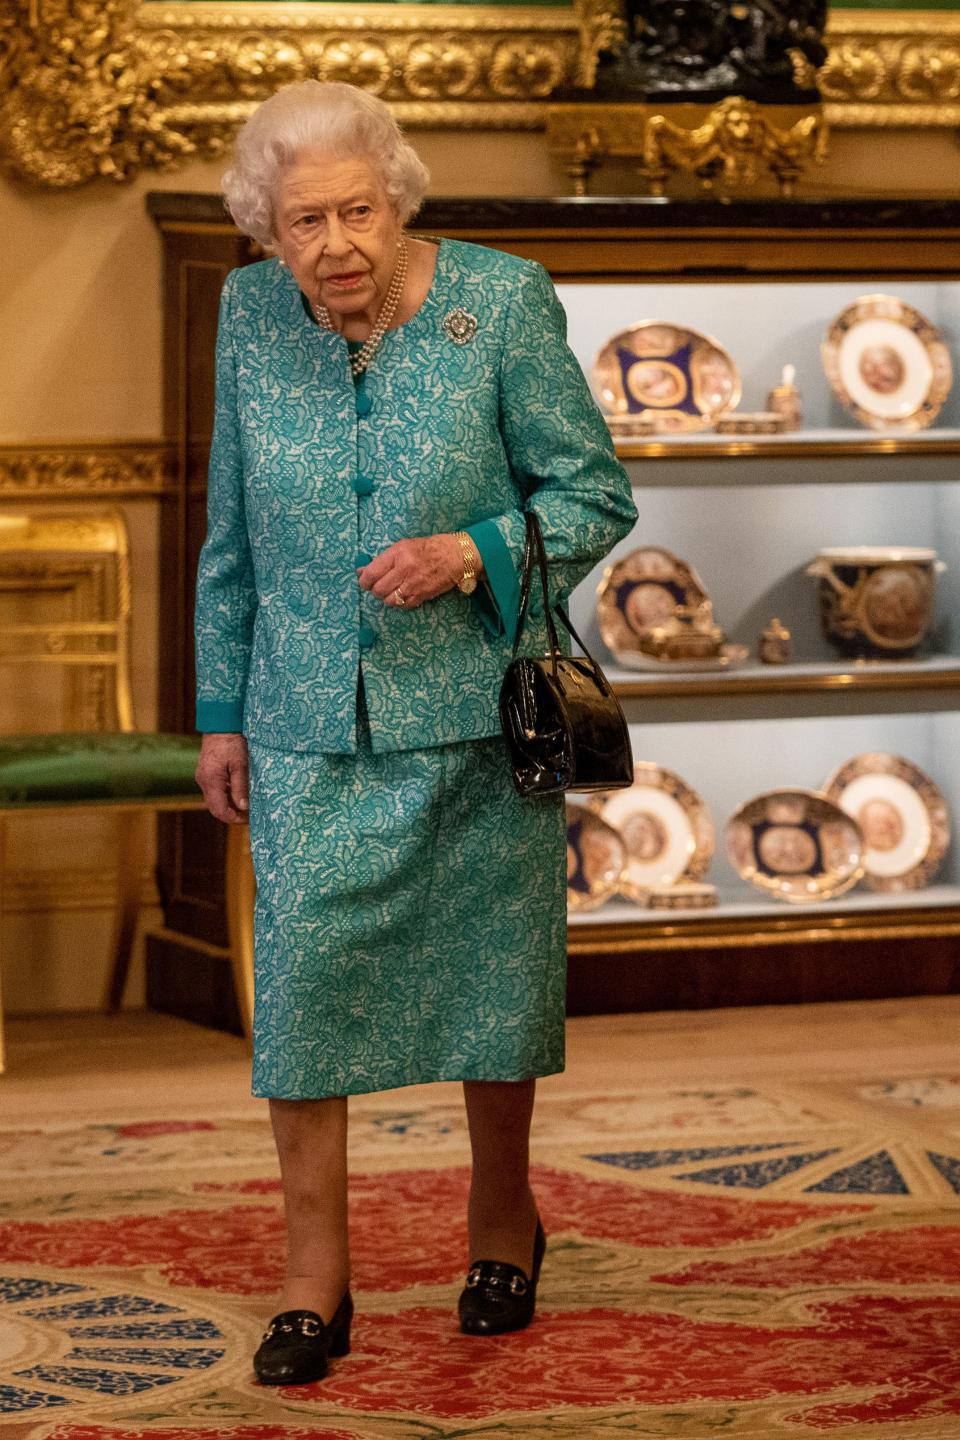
<point>109,89</point>
<point>893,69</point>
<point>118,470</point>
<point>324,18</point>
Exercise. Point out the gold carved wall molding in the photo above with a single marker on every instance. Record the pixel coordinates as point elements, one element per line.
<point>109,88</point>
<point>894,69</point>
<point>120,470</point>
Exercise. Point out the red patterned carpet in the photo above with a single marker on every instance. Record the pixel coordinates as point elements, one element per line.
<point>779,1261</point>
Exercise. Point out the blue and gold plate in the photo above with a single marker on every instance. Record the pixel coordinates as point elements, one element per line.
<point>797,845</point>
<point>663,377</point>
<point>596,858</point>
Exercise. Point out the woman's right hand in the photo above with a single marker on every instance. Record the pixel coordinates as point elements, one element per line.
<point>223,776</point>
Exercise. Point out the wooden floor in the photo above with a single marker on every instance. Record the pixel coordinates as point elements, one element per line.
<point>102,1068</point>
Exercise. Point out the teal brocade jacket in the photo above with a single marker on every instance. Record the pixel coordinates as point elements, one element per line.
<point>311,476</point>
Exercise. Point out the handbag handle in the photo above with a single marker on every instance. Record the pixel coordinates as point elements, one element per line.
<point>534,552</point>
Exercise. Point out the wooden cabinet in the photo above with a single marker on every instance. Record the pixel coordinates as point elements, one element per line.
<point>733,258</point>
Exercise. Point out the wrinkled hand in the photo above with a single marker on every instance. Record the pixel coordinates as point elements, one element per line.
<point>420,569</point>
<point>223,776</point>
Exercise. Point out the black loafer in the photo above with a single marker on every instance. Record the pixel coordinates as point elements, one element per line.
<point>296,1345</point>
<point>499,1297</point>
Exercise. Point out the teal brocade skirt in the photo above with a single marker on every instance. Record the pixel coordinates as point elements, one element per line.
<point>410,921</point>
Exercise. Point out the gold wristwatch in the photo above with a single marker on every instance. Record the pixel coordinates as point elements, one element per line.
<point>468,582</point>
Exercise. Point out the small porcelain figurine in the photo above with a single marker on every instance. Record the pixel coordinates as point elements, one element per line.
<point>775,646</point>
<point>784,399</point>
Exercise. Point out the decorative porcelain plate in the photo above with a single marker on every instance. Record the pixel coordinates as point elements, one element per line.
<point>887,364</point>
<point>903,816</point>
<point>795,844</point>
<point>665,827</point>
<point>667,376</point>
<point>596,858</point>
<point>639,591</point>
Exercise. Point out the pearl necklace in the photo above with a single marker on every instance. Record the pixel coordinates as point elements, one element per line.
<point>370,346</point>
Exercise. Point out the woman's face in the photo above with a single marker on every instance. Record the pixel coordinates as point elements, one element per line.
<point>335,228</point>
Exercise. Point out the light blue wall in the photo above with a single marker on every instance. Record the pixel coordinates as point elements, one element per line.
<point>762,326</point>
<point>750,526</point>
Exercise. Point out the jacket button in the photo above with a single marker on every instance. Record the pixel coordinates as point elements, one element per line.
<point>363,558</point>
<point>363,485</point>
<point>366,635</point>
<point>364,403</point>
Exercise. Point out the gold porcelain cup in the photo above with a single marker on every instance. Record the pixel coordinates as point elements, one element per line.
<point>876,602</point>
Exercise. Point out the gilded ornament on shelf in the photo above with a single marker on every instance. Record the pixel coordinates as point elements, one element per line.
<point>731,144</point>
<point>726,143</point>
<point>775,646</point>
<point>784,399</point>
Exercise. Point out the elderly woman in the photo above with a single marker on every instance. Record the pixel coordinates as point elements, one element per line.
<point>386,409</point>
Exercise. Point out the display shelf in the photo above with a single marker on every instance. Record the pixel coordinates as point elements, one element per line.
<point>934,672</point>
<point>751,545</point>
<point>766,277</point>
<point>800,444</point>
<point>740,919</point>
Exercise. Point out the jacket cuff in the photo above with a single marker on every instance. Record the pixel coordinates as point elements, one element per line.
<point>220,717</point>
<point>497,597</point>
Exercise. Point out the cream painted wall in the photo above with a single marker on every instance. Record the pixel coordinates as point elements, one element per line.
<point>80,288</point>
<point>80,317</point>
<point>80,281</point>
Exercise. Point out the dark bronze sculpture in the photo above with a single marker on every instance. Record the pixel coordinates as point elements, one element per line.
<point>703,50</point>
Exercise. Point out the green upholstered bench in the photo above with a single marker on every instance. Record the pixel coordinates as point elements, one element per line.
<point>133,775</point>
<point>83,556</point>
<point>98,768</point>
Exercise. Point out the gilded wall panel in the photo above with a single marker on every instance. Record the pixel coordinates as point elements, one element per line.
<point>108,90</point>
<point>59,881</point>
<point>115,470</point>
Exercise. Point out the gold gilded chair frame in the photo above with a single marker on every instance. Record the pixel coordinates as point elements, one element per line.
<point>83,557</point>
<point>112,88</point>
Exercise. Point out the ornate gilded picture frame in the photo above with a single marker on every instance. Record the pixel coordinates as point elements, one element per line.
<point>106,87</point>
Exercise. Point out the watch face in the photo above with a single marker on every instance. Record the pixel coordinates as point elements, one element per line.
<point>468,584</point>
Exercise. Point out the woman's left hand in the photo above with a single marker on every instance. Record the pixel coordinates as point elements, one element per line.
<point>419,569</point>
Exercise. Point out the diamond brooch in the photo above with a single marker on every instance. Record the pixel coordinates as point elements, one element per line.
<point>460,326</point>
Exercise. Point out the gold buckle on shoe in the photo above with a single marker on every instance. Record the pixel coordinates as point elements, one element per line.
<point>474,1278</point>
<point>309,1327</point>
<point>518,1286</point>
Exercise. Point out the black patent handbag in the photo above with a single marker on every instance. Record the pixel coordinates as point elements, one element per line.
<point>563,724</point>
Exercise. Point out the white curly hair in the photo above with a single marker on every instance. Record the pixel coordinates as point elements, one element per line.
<point>324,115</point>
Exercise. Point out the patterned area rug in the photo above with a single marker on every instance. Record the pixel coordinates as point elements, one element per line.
<point>737,1262</point>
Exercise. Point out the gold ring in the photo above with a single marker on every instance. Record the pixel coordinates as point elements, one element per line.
<point>399,594</point>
